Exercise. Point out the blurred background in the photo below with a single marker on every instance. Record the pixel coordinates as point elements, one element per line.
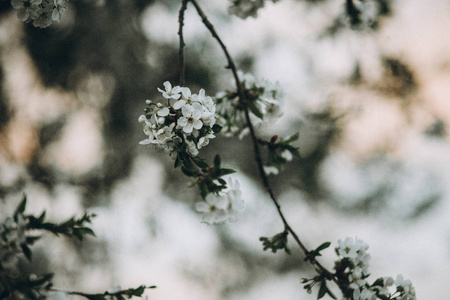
<point>367,89</point>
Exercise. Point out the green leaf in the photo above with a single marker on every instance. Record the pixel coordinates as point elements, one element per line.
<point>41,217</point>
<point>177,162</point>
<point>21,207</point>
<point>330,293</point>
<point>203,190</point>
<point>292,138</point>
<point>254,109</point>
<point>26,251</point>
<point>275,243</point>
<point>188,165</point>
<point>226,171</point>
<point>378,282</point>
<point>216,128</point>
<point>200,162</point>
<point>138,291</point>
<point>187,172</point>
<point>217,162</point>
<point>322,247</point>
<point>322,290</point>
<point>31,239</point>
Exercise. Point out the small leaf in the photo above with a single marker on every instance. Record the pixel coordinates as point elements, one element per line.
<point>292,138</point>
<point>226,171</point>
<point>188,165</point>
<point>217,162</point>
<point>21,207</point>
<point>323,290</point>
<point>186,171</point>
<point>138,291</point>
<point>41,217</point>
<point>330,293</point>
<point>322,247</point>
<point>26,251</point>
<point>254,110</point>
<point>216,128</point>
<point>200,162</point>
<point>177,162</point>
<point>31,239</point>
<point>203,190</point>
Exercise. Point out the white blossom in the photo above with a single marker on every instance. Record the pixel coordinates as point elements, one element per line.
<point>223,207</point>
<point>190,119</point>
<point>27,8</point>
<point>204,140</point>
<point>60,7</point>
<point>271,170</point>
<point>287,155</point>
<point>405,286</point>
<point>236,204</point>
<point>169,92</point>
<point>213,209</point>
<point>365,294</point>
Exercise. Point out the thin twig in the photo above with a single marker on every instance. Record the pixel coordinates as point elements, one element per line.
<point>256,150</point>
<point>182,44</point>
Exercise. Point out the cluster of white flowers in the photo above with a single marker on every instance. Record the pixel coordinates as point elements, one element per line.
<point>263,98</point>
<point>41,12</point>
<point>354,252</point>
<point>246,8</point>
<point>186,123</point>
<point>12,236</point>
<point>222,207</point>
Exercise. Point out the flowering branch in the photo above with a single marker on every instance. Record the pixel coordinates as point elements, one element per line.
<point>256,150</point>
<point>185,126</point>
<point>118,295</point>
<point>15,242</point>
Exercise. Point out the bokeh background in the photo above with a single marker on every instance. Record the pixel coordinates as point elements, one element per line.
<point>368,93</point>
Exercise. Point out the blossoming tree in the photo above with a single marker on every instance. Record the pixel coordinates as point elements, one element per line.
<point>182,123</point>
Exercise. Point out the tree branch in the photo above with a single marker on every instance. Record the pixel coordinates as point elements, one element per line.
<point>182,65</point>
<point>256,150</point>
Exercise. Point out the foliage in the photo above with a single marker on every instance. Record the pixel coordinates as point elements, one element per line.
<point>18,234</point>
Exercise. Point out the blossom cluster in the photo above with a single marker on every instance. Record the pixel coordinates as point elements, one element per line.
<point>262,97</point>
<point>246,8</point>
<point>354,265</point>
<point>222,207</point>
<point>186,125</point>
<point>12,237</point>
<point>41,12</point>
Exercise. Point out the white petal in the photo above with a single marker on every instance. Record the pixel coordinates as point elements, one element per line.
<point>188,128</point>
<point>186,92</point>
<point>145,142</point>
<point>167,85</point>
<point>182,121</point>
<point>163,112</point>
<point>198,124</point>
<point>179,104</point>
